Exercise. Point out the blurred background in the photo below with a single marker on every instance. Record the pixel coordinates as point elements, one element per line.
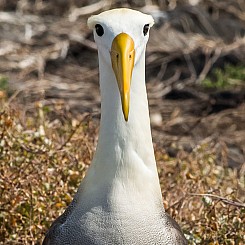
<point>195,71</point>
<point>195,64</point>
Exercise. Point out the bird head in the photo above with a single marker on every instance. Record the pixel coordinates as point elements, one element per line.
<point>121,36</point>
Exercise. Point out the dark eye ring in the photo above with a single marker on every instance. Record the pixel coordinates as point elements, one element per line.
<point>146,29</point>
<point>99,30</point>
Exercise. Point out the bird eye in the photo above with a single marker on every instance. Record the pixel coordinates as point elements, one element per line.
<point>99,30</point>
<point>146,29</point>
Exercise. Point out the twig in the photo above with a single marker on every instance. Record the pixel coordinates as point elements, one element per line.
<point>88,10</point>
<point>14,95</point>
<point>223,199</point>
<point>179,202</point>
<point>229,9</point>
<point>191,67</point>
<point>85,116</point>
<point>208,65</point>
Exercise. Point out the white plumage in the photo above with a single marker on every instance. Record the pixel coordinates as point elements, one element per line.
<point>119,201</point>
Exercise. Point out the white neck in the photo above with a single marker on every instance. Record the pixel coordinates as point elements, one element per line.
<point>124,159</point>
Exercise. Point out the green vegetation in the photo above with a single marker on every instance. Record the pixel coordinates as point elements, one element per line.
<point>228,77</point>
<point>43,160</point>
<point>3,83</point>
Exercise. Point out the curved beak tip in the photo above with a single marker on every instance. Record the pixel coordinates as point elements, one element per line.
<point>125,112</point>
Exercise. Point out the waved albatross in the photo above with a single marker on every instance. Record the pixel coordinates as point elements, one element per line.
<point>119,201</point>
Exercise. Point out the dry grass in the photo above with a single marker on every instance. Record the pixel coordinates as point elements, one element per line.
<point>44,156</point>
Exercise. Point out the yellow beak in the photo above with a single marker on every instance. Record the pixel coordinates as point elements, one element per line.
<point>122,59</point>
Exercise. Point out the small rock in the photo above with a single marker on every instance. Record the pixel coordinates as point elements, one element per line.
<point>156,119</point>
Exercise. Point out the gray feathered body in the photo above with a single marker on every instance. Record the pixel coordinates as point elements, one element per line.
<point>99,226</point>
